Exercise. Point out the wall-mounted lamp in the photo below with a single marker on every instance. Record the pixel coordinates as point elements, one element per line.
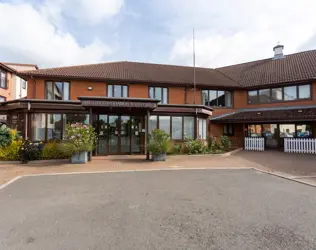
<point>258,113</point>
<point>299,111</point>
<point>90,88</point>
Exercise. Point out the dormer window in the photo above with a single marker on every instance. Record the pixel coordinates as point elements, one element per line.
<point>3,79</point>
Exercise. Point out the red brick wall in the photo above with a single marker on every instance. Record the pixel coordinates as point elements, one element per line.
<point>237,139</point>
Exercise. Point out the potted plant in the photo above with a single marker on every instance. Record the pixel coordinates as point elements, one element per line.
<point>81,140</point>
<point>159,144</point>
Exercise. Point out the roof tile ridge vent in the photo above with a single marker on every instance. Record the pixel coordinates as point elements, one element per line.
<point>229,78</point>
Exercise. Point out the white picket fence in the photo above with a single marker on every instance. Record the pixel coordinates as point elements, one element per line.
<point>300,145</point>
<point>254,143</point>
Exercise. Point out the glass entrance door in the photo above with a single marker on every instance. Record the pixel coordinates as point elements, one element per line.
<point>271,135</point>
<point>118,134</point>
<point>114,123</point>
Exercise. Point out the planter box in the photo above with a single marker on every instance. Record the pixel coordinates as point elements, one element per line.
<point>160,157</point>
<point>79,158</point>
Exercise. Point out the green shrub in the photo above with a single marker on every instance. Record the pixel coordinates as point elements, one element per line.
<point>5,137</point>
<point>212,143</point>
<point>159,142</point>
<point>67,148</point>
<point>225,142</point>
<point>195,146</point>
<point>51,151</point>
<point>30,151</point>
<point>11,152</point>
<point>176,149</point>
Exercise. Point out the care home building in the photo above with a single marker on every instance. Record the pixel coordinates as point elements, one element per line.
<point>273,98</point>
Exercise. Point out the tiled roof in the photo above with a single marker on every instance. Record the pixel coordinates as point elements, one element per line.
<point>292,68</point>
<point>268,115</point>
<point>139,72</point>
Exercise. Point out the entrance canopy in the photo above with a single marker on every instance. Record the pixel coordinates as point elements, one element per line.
<point>118,105</point>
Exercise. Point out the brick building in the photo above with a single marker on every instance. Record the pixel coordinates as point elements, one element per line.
<point>273,98</point>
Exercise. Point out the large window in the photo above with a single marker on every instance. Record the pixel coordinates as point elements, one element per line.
<point>57,90</point>
<point>164,123</point>
<point>202,128</point>
<point>178,127</point>
<point>188,127</point>
<point>217,98</point>
<point>47,127</point>
<point>117,91</point>
<point>3,79</point>
<point>159,93</point>
<point>288,93</point>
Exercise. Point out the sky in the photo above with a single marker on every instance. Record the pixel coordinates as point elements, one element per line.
<point>53,33</point>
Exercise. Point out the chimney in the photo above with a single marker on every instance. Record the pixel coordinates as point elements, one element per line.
<point>278,51</point>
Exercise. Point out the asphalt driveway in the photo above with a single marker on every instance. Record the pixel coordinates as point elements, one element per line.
<point>177,209</point>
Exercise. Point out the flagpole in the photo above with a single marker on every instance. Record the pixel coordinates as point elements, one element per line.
<point>194,80</point>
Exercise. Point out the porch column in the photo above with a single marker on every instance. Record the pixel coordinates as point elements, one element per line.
<point>26,122</point>
<point>146,133</point>
<point>90,122</point>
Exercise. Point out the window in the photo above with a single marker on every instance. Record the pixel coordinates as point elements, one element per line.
<point>277,94</point>
<point>152,123</point>
<point>164,123</point>
<point>54,127</point>
<point>264,95</point>
<point>188,127</point>
<point>229,129</point>
<point>255,130</point>
<point>3,98</point>
<point>159,94</point>
<point>217,98</point>
<point>23,83</point>
<point>117,91</point>
<point>304,130</point>
<point>47,127</point>
<point>253,96</point>
<point>57,90</point>
<point>287,130</point>
<point>290,93</point>
<point>177,128</point>
<point>202,131</point>
<point>3,79</point>
<point>38,127</point>
<point>304,91</point>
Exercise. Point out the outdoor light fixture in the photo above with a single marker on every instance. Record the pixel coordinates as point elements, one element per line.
<point>258,113</point>
<point>89,88</point>
<point>299,111</point>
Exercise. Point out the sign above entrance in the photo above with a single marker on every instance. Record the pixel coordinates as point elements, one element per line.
<point>119,104</point>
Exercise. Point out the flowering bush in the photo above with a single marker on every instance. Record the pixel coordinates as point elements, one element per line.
<point>195,146</point>
<point>30,151</point>
<point>82,137</point>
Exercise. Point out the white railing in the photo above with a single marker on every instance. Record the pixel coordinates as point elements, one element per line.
<point>300,145</point>
<point>254,143</point>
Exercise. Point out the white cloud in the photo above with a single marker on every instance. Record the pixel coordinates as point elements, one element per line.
<point>29,36</point>
<point>230,31</point>
<point>85,11</point>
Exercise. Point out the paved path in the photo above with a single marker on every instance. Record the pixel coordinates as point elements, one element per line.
<point>188,209</point>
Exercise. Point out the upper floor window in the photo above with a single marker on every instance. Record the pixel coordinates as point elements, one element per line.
<point>217,98</point>
<point>23,83</point>
<point>288,93</point>
<point>3,98</point>
<point>159,93</point>
<point>57,90</point>
<point>3,79</point>
<point>117,91</point>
